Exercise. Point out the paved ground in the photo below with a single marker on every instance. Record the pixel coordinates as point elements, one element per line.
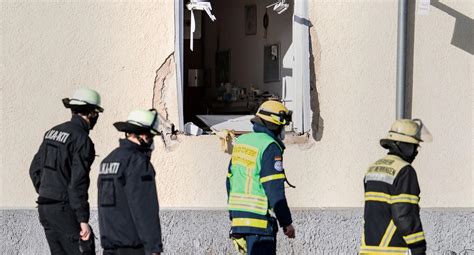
<point>319,231</point>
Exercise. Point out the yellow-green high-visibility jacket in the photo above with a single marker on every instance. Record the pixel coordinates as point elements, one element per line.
<point>392,222</point>
<point>247,196</point>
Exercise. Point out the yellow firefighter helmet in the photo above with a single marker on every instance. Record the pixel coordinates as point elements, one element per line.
<point>274,112</point>
<point>409,131</point>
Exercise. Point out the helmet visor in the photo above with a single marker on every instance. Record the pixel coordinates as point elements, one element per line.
<point>283,118</point>
<point>422,133</point>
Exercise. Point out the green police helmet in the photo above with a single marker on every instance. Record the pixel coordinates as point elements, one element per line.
<point>84,99</point>
<point>139,122</point>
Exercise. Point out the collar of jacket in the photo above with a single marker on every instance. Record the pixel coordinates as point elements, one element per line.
<point>80,122</point>
<point>404,158</point>
<point>262,129</point>
<point>127,144</point>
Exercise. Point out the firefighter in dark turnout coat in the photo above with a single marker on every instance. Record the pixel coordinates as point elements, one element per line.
<point>128,204</point>
<point>392,222</point>
<point>255,183</point>
<point>60,175</point>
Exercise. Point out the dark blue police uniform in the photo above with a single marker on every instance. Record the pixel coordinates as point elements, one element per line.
<point>128,204</point>
<point>60,174</point>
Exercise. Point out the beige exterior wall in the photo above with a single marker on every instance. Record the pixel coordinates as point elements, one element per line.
<point>49,49</point>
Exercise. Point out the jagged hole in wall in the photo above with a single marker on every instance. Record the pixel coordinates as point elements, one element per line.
<point>236,64</point>
<point>224,73</point>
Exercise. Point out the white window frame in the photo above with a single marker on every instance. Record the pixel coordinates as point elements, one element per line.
<point>298,100</point>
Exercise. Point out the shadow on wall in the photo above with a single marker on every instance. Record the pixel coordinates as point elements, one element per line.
<point>317,122</point>
<point>463,38</point>
<point>463,35</point>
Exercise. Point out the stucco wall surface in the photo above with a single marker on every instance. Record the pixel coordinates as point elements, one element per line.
<point>356,85</point>
<point>50,49</point>
<point>116,47</point>
<point>318,231</point>
<point>443,87</point>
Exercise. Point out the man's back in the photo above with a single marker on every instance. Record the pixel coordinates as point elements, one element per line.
<point>60,168</point>
<point>128,202</point>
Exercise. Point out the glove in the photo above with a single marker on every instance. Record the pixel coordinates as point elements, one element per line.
<point>239,242</point>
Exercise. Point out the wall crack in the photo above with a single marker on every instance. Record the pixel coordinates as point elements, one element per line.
<point>165,100</point>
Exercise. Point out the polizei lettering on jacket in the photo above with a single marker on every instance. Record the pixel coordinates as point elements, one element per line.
<point>57,136</point>
<point>109,168</point>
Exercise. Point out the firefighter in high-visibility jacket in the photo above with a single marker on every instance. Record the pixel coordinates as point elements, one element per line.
<point>392,222</point>
<point>255,183</point>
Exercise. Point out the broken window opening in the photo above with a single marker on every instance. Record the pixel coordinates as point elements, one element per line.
<point>238,56</point>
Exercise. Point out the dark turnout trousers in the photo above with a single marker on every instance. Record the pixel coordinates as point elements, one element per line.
<point>61,228</point>
<point>261,245</point>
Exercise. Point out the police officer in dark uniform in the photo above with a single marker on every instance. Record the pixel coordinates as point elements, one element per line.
<point>60,175</point>
<point>392,222</point>
<point>128,204</point>
<point>255,183</point>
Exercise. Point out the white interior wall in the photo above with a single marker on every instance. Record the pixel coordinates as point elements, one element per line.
<point>246,50</point>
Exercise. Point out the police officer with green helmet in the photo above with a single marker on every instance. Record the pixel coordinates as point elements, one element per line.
<point>255,183</point>
<point>60,174</point>
<point>392,222</point>
<point>129,219</point>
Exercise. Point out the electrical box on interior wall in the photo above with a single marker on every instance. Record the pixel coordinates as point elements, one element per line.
<point>271,63</point>
<point>195,77</point>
